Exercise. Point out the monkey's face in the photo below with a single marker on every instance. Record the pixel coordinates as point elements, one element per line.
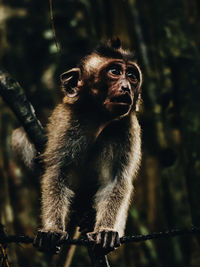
<point>123,81</point>
<point>110,87</point>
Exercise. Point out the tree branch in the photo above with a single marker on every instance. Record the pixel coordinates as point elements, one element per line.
<point>5,239</point>
<point>13,94</point>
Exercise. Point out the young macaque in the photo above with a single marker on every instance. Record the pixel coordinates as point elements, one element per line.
<point>93,151</point>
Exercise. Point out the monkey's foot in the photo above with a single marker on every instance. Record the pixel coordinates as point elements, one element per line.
<point>49,241</point>
<point>104,241</point>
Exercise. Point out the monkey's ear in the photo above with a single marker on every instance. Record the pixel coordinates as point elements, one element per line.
<point>69,80</point>
<point>138,103</point>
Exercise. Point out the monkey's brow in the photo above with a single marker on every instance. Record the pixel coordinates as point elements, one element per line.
<point>115,61</point>
<point>128,63</point>
<point>131,64</point>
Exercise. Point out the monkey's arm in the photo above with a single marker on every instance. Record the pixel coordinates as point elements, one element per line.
<point>56,199</point>
<point>66,142</point>
<point>56,195</point>
<point>111,203</point>
<point>112,199</point>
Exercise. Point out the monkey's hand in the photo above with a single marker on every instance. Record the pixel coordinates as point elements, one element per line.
<point>49,241</point>
<point>104,241</point>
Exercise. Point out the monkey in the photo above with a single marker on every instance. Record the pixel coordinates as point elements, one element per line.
<point>93,151</point>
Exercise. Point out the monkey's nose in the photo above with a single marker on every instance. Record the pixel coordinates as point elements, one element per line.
<point>125,89</point>
<point>125,86</point>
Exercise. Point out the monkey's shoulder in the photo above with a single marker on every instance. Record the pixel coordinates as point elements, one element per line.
<point>59,120</point>
<point>121,130</point>
<point>61,111</point>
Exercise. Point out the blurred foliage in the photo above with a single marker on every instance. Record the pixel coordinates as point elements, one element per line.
<point>165,36</point>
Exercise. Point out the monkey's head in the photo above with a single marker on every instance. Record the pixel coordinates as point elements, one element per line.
<point>108,78</point>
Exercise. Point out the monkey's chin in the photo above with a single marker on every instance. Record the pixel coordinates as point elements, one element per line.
<point>118,110</point>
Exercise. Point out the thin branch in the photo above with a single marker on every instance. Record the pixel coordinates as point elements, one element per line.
<point>6,239</point>
<point>163,234</point>
<point>52,24</point>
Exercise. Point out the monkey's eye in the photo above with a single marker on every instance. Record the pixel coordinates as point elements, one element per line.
<point>115,70</point>
<point>131,73</point>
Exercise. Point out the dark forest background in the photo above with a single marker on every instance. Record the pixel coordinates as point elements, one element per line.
<point>165,36</point>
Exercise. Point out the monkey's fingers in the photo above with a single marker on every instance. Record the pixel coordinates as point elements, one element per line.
<point>49,241</point>
<point>109,240</point>
<point>41,241</point>
<point>104,241</point>
<point>37,242</point>
<point>53,239</point>
<point>44,241</point>
<point>91,236</point>
<point>115,240</point>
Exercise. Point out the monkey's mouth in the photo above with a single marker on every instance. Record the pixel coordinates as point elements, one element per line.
<point>124,99</point>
